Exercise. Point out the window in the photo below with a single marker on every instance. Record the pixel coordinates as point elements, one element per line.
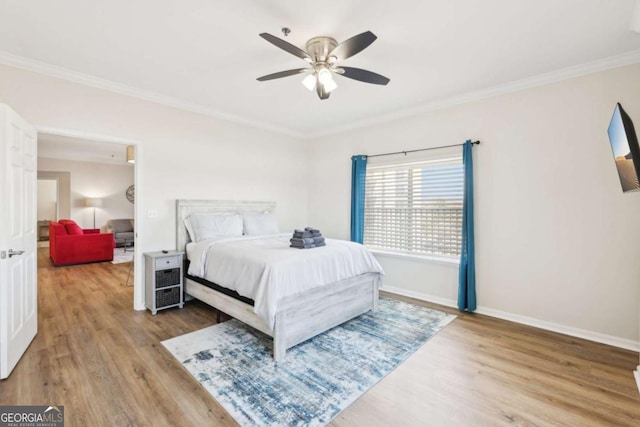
<point>415,208</point>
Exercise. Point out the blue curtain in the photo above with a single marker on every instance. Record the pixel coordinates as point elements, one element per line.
<point>358,173</point>
<point>467,276</point>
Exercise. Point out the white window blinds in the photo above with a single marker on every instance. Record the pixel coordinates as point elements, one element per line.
<point>415,208</point>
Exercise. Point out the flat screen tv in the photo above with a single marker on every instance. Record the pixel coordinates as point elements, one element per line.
<point>626,151</point>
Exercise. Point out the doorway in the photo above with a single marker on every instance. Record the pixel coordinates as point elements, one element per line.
<point>47,208</point>
<point>47,199</point>
<point>96,168</point>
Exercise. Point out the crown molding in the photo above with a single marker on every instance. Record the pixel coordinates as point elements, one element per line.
<point>628,58</point>
<point>122,89</point>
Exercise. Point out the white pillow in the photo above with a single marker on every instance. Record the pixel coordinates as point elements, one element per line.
<point>260,224</point>
<point>190,232</point>
<point>207,226</point>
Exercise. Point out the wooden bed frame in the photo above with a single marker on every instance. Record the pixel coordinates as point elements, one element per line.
<point>299,317</point>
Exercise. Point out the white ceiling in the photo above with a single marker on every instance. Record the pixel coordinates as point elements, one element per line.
<point>206,54</point>
<point>78,149</point>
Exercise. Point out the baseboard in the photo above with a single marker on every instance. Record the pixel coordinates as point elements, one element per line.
<point>562,329</point>
<point>549,326</point>
<point>418,295</point>
<point>636,373</point>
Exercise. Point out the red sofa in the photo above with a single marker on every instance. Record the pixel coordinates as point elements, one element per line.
<point>70,244</point>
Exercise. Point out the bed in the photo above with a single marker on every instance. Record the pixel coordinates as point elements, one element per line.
<point>296,317</point>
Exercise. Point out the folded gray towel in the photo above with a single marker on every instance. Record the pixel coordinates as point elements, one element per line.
<point>297,246</point>
<point>306,239</point>
<point>297,241</point>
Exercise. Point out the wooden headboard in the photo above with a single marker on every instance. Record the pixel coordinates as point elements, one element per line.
<point>184,208</point>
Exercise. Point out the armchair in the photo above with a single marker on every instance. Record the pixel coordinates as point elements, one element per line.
<point>122,230</point>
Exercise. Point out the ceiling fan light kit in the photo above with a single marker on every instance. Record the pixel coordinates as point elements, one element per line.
<point>322,54</point>
<point>310,82</point>
<point>326,80</point>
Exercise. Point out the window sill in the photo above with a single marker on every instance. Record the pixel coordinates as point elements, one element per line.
<point>425,258</point>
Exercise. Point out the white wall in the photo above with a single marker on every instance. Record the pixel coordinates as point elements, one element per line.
<point>557,241</point>
<point>63,181</point>
<point>47,199</point>
<point>180,154</point>
<point>556,238</point>
<point>105,181</point>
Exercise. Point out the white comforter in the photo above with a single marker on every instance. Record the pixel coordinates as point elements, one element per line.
<point>266,269</point>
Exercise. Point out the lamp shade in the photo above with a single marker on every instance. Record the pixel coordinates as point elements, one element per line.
<point>93,202</point>
<point>131,154</point>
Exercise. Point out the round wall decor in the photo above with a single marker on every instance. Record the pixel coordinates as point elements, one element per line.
<point>131,194</point>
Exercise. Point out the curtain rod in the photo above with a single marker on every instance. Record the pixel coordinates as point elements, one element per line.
<point>422,149</point>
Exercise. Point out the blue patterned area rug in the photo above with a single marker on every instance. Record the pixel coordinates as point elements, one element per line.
<point>318,378</point>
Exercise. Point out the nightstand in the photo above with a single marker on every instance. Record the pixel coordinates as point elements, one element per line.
<point>163,280</point>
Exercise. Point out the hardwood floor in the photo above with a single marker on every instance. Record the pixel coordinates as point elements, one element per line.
<point>104,363</point>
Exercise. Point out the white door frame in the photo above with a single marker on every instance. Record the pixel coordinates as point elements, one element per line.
<point>138,288</point>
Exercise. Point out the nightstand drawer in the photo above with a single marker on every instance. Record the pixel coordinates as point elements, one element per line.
<point>168,277</point>
<point>170,296</point>
<point>167,262</point>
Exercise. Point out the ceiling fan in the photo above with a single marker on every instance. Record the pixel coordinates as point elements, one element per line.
<point>323,54</point>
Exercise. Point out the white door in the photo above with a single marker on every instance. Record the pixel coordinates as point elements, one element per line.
<point>18,281</point>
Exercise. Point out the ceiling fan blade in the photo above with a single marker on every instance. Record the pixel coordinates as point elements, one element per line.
<point>322,94</point>
<point>354,45</point>
<point>362,75</point>
<point>281,74</point>
<point>294,50</point>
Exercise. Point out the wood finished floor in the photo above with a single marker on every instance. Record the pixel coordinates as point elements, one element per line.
<point>104,363</point>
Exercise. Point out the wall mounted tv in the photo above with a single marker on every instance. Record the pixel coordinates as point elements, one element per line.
<point>626,151</point>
